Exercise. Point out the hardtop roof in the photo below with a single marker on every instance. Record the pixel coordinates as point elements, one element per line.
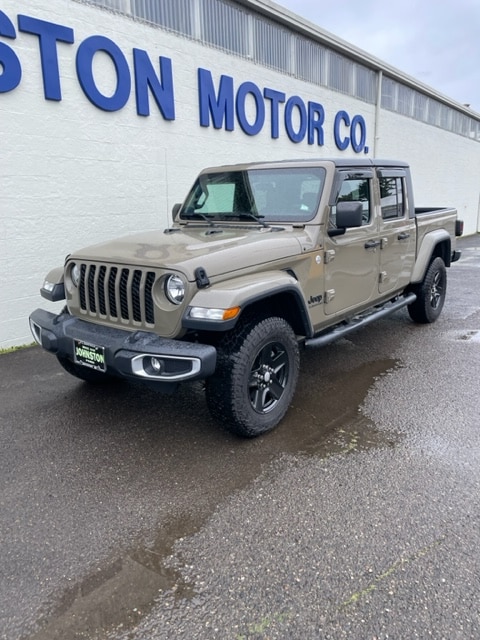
<point>309,162</point>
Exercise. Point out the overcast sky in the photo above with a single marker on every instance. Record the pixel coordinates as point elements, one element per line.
<point>435,41</point>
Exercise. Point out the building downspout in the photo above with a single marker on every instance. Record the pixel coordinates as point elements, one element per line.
<point>377,114</point>
<point>478,216</point>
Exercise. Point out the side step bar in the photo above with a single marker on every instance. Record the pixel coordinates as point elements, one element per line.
<point>341,330</point>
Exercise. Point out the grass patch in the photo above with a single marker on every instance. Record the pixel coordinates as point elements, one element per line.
<point>17,348</point>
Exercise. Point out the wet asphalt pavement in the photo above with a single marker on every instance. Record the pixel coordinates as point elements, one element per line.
<point>129,515</point>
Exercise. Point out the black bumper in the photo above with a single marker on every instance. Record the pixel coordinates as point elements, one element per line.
<point>456,255</point>
<point>124,353</point>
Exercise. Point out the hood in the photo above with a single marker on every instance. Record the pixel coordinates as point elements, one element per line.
<point>218,250</point>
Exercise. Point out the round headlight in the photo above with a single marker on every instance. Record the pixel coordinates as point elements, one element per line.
<point>75,274</point>
<point>175,289</point>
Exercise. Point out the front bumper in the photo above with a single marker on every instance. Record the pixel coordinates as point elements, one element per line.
<point>124,353</point>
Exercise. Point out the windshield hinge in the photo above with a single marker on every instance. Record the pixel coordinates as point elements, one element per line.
<point>329,255</point>
<point>201,278</point>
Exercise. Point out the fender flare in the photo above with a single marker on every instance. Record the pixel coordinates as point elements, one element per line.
<point>243,292</point>
<point>426,251</point>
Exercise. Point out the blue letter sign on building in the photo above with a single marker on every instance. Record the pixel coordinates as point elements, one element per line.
<point>86,51</point>
<point>299,119</point>
<point>219,108</point>
<point>48,34</point>
<point>11,68</point>
<point>244,90</point>
<point>146,78</point>
<point>357,124</point>
<point>249,106</point>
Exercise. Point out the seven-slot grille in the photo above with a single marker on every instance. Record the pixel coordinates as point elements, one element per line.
<point>117,293</point>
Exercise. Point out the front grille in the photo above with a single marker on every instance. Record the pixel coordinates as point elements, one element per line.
<point>119,294</point>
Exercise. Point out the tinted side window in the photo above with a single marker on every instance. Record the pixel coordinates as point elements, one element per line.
<point>355,189</point>
<point>392,198</point>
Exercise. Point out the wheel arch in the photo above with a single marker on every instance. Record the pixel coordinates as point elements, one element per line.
<point>436,244</point>
<point>268,294</point>
<point>286,304</point>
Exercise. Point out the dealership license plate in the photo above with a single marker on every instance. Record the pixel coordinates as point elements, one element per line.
<point>89,355</point>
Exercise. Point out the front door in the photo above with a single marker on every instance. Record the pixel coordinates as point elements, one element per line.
<point>352,260</point>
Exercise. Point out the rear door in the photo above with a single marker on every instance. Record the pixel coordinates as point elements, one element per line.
<point>397,231</point>
<point>352,259</point>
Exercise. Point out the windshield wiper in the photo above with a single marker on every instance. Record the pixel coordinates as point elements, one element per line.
<point>197,215</point>
<point>251,216</point>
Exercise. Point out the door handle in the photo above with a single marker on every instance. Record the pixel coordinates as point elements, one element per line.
<point>403,236</point>
<point>372,244</point>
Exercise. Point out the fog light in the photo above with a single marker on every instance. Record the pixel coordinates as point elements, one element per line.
<point>156,364</point>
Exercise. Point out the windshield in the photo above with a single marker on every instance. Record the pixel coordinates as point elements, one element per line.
<point>263,195</point>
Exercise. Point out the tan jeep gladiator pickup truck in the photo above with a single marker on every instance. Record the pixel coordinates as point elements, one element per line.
<point>261,259</point>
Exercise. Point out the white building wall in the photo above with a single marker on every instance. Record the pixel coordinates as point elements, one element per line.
<point>444,165</point>
<point>74,174</point>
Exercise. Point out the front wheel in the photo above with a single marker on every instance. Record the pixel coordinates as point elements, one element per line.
<point>256,376</point>
<point>430,294</point>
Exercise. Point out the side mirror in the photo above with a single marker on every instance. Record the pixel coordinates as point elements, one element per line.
<point>349,214</point>
<point>175,209</point>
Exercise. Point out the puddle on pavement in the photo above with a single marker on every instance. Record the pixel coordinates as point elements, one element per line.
<point>336,407</point>
<point>472,335</point>
<point>321,422</point>
<point>119,596</point>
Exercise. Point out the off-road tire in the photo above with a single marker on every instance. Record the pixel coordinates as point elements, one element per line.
<point>430,294</point>
<point>84,373</point>
<point>256,375</point>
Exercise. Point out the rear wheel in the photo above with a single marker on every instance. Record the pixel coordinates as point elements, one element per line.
<point>256,376</point>
<point>83,373</point>
<point>430,294</point>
